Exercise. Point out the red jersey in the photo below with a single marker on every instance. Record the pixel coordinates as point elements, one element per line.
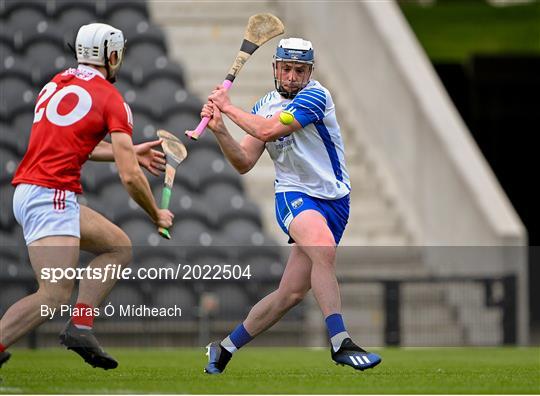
<point>73,113</point>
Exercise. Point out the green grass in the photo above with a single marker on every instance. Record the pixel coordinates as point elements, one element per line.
<point>278,370</point>
<point>454,30</point>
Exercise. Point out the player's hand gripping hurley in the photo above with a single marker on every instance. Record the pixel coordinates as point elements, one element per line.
<point>175,153</point>
<point>260,29</point>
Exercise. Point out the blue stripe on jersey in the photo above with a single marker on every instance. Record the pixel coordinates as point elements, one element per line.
<point>330,148</point>
<point>315,96</point>
<point>311,105</point>
<point>261,102</point>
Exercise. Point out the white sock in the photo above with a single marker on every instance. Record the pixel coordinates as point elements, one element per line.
<point>228,345</point>
<point>82,327</point>
<point>338,339</point>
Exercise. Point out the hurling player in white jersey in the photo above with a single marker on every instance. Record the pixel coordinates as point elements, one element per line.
<point>312,196</point>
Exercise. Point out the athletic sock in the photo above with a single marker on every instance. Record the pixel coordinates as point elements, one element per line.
<point>83,316</point>
<point>237,339</point>
<point>336,330</point>
<point>2,348</point>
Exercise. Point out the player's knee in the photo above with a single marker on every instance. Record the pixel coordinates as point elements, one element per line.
<point>293,298</point>
<point>57,295</point>
<point>124,255</point>
<point>296,298</point>
<point>321,254</point>
<point>122,249</point>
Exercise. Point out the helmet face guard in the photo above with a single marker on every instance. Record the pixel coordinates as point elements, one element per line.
<point>292,51</point>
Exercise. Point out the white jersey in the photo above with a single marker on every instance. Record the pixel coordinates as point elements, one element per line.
<point>312,159</point>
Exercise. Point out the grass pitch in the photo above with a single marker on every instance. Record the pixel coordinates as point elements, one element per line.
<point>278,370</point>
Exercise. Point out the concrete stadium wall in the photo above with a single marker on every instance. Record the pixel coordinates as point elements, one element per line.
<point>390,95</point>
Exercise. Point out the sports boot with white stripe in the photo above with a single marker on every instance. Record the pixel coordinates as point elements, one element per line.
<point>218,357</point>
<point>352,355</point>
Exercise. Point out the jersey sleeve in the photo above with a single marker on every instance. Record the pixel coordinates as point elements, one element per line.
<point>118,115</point>
<point>308,106</point>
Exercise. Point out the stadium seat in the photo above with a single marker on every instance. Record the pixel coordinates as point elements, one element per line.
<point>191,232</point>
<point>244,232</point>
<point>6,46</point>
<point>263,266</point>
<point>108,7</point>
<point>172,71</point>
<point>61,6</point>
<point>144,128</point>
<point>27,23</point>
<point>176,294</point>
<point>207,254</point>
<point>71,19</point>
<point>184,101</point>
<point>8,162</point>
<point>96,175</point>
<point>11,140</point>
<point>130,21</point>
<point>95,203</point>
<point>125,293</point>
<point>7,219</point>
<point>155,257</point>
<point>124,86</point>
<point>180,121</point>
<point>14,267</point>
<point>234,303</point>
<point>210,166</point>
<point>46,56</point>
<point>187,119</point>
<point>22,123</point>
<point>9,7</point>
<point>147,55</point>
<point>17,96</point>
<point>16,66</point>
<point>12,242</point>
<point>120,205</point>
<point>184,202</point>
<point>137,101</point>
<point>162,94</point>
<point>238,208</point>
<point>219,170</point>
<point>10,294</point>
<point>225,194</point>
<point>140,229</point>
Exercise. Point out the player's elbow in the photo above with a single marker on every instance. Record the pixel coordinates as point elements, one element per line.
<point>243,168</point>
<point>271,133</point>
<point>129,178</point>
<point>265,137</point>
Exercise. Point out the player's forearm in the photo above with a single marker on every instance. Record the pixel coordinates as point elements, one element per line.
<point>138,188</point>
<point>256,126</point>
<point>102,152</point>
<point>233,151</point>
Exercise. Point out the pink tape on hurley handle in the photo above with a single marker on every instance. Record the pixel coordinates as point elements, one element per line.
<point>204,122</point>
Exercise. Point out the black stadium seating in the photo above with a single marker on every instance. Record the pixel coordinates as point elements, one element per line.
<point>215,222</point>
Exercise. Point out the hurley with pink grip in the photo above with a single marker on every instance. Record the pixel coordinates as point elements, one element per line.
<point>260,29</point>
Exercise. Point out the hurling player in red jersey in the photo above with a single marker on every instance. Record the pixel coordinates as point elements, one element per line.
<point>73,113</point>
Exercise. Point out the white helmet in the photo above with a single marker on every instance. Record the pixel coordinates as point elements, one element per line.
<point>95,43</point>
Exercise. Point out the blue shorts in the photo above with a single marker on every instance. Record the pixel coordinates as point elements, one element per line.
<point>291,203</point>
